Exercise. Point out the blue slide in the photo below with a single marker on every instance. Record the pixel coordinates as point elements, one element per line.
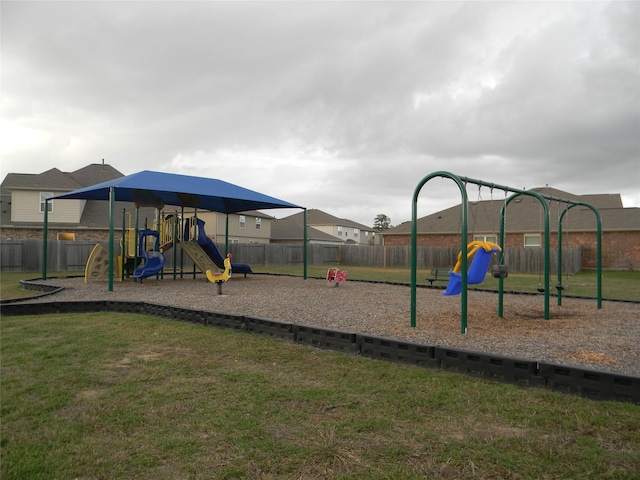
<point>154,260</point>
<point>214,254</point>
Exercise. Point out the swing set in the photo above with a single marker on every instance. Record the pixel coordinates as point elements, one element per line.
<point>474,258</point>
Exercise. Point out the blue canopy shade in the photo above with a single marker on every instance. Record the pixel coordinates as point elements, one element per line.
<point>157,189</point>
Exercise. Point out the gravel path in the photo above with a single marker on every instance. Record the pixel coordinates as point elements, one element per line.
<point>577,334</point>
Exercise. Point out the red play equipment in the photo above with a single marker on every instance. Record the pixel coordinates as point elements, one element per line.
<point>335,275</point>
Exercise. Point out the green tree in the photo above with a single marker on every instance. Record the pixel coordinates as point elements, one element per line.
<point>381,222</point>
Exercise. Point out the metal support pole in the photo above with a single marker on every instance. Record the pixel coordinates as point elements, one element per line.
<point>111,239</point>
<point>304,246</point>
<point>559,283</point>
<point>226,236</point>
<point>44,239</point>
<point>463,245</point>
<point>123,244</point>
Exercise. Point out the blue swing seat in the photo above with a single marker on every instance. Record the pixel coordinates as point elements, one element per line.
<point>480,253</point>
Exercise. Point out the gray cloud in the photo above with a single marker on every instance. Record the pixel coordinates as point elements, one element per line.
<point>338,106</point>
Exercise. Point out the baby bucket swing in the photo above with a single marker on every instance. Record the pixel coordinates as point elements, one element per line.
<point>479,254</point>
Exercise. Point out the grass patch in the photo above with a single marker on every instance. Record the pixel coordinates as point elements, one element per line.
<point>125,396</point>
<point>10,283</point>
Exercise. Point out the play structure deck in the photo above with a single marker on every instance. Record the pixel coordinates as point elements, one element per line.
<point>144,251</point>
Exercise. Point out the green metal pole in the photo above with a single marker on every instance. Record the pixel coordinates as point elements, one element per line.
<point>599,255</point>
<point>226,237</point>
<point>465,260</point>
<point>463,246</point>
<point>304,246</point>
<point>124,243</point>
<point>111,239</point>
<point>503,211</point>
<point>44,239</point>
<point>547,253</point>
<point>136,239</point>
<point>181,238</point>
<point>559,284</point>
<point>175,245</point>
<point>159,219</point>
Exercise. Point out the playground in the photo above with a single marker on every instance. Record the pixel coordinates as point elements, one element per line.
<point>577,333</point>
<point>580,334</point>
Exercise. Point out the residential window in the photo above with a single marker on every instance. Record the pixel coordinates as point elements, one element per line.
<point>258,223</point>
<point>66,236</point>
<point>485,238</point>
<point>532,241</point>
<point>339,230</point>
<point>243,222</point>
<point>43,201</point>
<point>356,232</point>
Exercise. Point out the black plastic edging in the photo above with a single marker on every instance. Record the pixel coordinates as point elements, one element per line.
<point>397,351</point>
<point>592,384</point>
<point>493,367</point>
<point>327,339</point>
<point>224,321</point>
<point>270,328</point>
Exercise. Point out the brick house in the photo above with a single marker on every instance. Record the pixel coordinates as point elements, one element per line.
<point>524,227</point>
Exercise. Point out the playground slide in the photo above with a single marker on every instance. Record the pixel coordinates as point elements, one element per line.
<point>153,260</point>
<point>153,263</point>
<point>480,253</point>
<point>214,254</point>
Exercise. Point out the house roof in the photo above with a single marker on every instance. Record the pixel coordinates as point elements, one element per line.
<point>524,215</point>
<point>94,215</point>
<point>52,179</point>
<point>318,217</point>
<point>291,228</point>
<point>94,173</point>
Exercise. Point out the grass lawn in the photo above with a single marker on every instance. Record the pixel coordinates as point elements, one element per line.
<point>120,396</point>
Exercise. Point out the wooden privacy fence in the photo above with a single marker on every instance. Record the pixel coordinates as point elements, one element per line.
<point>71,256</point>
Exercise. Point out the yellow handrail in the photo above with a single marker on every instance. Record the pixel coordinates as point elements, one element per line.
<point>472,248</point>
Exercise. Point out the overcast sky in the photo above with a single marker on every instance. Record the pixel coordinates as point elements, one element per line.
<point>340,106</point>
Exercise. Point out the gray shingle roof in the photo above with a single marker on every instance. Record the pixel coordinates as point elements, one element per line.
<point>318,217</point>
<point>290,228</point>
<point>524,215</point>
<point>94,173</point>
<point>52,179</point>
